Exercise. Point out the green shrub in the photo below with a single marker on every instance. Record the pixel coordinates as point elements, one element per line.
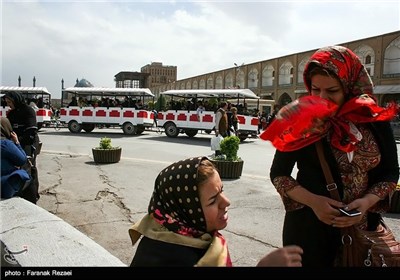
<point>160,104</point>
<point>105,143</point>
<point>230,147</point>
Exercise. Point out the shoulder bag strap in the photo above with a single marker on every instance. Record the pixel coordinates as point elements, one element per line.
<point>331,185</point>
<point>346,236</point>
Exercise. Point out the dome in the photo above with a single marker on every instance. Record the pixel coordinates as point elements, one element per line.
<point>83,83</point>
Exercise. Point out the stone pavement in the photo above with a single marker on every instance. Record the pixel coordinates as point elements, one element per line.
<point>103,201</point>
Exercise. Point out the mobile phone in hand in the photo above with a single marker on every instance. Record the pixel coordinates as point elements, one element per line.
<point>350,213</point>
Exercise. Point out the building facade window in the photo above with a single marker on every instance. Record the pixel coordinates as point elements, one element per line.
<point>286,73</point>
<point>268,76</point>
<point>391,63</point>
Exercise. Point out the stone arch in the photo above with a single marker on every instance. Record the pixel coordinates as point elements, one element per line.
<point>284,99</point>
<point>229,81</point>
<point>240,79</point>
<point>391,61</point>
<point>210,82</point>
<point>367,56</point>
<point>268,76</point>
<point>202,84</point>
<point>252,79</point>
<point>286,73</point>
<point>218,82</point>
<point>300,70</point>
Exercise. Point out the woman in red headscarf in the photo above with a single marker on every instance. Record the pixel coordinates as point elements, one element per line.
<point>359,146</point>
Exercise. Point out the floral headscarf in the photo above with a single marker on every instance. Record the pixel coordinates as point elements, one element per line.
<point>295,124</point>
<point>175,202</point>
<point>346,66</point>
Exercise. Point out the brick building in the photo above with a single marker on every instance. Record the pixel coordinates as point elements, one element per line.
<point>159,74</point>
<point>150,75</point>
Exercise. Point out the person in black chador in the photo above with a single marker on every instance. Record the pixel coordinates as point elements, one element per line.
<point>23,121</point>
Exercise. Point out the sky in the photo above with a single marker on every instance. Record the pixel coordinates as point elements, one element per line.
<point>95,40</point>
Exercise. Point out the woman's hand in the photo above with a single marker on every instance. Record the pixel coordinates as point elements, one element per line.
<point>14,137</point>
<point>287,256</point>
<point>362,205</point>
<point>326,209</point>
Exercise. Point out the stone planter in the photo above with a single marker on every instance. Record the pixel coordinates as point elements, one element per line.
<point>229,169</point>
<point>106,155</point>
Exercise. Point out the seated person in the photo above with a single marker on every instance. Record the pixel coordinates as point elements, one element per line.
<point>139,105</point>
<point>13,178</point>
<point>74,102</point>
<point>200,109</point>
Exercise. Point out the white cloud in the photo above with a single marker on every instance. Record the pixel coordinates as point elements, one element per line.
<point>96,40</point>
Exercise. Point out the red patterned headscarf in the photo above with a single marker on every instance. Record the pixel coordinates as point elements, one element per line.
<point>308,119</point>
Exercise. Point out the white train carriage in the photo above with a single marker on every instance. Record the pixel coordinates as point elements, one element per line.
<point>43,115</point>
<point>190,121</point>
<point>132,120</point>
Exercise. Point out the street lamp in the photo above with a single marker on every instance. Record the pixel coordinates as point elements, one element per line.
<point>238,67</point>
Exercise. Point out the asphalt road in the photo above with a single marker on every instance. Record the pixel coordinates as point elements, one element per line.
<point>103,201</point>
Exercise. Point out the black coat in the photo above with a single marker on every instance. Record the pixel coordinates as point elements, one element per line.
<point>23,120</point>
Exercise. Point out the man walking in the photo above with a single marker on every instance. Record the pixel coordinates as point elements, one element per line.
<point>221,122</point>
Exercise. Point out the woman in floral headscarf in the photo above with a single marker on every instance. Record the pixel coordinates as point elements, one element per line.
<point>358,142</point>
<point>186,212</point>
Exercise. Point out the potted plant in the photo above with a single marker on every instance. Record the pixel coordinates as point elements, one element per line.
<point>229,164</point>
<point>105,152</point>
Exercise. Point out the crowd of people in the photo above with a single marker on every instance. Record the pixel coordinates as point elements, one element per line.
<point>126,102</point>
